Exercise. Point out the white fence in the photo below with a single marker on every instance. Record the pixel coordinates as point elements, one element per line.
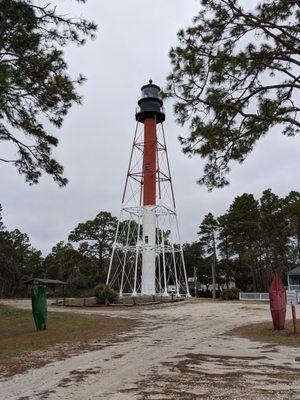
<point>294,287</point>
<point>254,296</point>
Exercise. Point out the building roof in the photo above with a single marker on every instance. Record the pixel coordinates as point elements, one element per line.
<point>295,271</point>
<point>47,282</point>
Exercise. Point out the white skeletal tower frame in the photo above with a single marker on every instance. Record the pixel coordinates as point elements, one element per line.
<point>132,245</point>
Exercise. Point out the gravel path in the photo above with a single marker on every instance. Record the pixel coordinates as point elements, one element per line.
<point>180,352</point>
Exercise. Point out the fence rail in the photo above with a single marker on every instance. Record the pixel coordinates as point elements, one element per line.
<point>254,296</point>
<point>295,287</point>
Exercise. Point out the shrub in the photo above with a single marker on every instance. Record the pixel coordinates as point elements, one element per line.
<point>230,294</point>
<point>105,295</point>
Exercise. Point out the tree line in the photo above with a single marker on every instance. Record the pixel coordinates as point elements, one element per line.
<point>82,261</point>
<point>253,241</point>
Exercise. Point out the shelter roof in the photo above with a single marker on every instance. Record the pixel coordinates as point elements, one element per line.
<point>295,271</point>
<point>47,282</point>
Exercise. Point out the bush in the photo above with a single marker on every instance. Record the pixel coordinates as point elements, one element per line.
<point>105,295</point>
<point>230,294</point>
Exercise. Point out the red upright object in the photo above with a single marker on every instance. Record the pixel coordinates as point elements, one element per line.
<point>277,297</point>
<point>149,164</point>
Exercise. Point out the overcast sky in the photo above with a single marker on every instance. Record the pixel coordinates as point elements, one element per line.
<point>132,46</point>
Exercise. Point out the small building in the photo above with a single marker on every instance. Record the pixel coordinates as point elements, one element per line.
<point>294,281</point>
<point>192,284</point>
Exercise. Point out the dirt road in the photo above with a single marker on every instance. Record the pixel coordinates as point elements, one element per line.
<point>179,352</point>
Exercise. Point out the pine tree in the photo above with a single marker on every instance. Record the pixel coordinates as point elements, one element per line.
<point>291,208</point>
<point>208,237</point>
<point>95,237</point>
<point>235,75</point>
<point>1,220</point>
<point>70,265</point>
<point>35,88</point>
<point>239,227</point>
<point>274,235</point>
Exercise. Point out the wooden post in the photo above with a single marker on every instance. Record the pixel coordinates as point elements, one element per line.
<point>291,299</point>
<point>294,318</point>
<point>64,302</point>
<point>195,281</point>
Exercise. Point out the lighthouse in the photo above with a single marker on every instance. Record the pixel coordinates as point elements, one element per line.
<point>147,256</point>
<point>150,113</point>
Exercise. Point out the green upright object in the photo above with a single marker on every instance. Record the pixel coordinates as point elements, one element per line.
<point>39,306</point>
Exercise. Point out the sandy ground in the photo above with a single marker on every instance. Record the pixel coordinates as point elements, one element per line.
<point>182,352</point>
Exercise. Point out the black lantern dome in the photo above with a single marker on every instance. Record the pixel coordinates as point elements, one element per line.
<point>150,104</point>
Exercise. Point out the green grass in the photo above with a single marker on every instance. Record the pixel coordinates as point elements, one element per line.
<point>146,299</point>
<point>126,300</point>
<point>264,332</point>
<point>18,335</point>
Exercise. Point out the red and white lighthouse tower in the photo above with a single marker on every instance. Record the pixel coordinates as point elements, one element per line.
<point>147,257</point>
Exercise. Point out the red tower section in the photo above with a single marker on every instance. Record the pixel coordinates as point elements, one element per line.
<point>149,163</point>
